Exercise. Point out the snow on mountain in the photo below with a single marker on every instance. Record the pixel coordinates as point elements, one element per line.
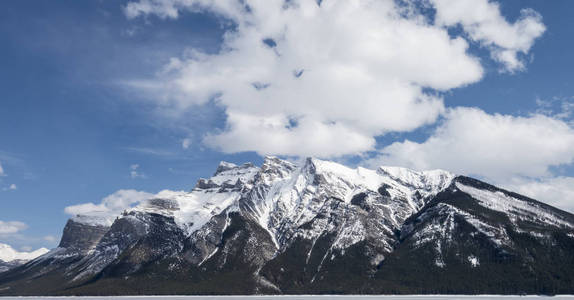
<point>321,197</point>
<point>9,254</point>
<point>210,197</point>
<point>474,207</point>
<point>281,197</point>
<point>516,209</point>
<point>95,219</point>
<point>441,231</point>
<point>292,225</point>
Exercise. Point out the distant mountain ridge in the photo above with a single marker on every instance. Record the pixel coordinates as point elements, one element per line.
<point>10,258</point>
<point>318,227</point>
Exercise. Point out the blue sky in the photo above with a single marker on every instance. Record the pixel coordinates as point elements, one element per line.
<point>75,122</point>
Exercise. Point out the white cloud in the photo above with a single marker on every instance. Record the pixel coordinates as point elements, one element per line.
<point>26,248</point>
<point>11,187</point>
<point>11,227</point>
<point>170,8</point>
<point>186,143</point>
<point>470,141</point>
<point>2,173</point>
<point>516,153</point>
<point>556,191</point>
<point>302,79</point>
<point>50,238</point>
<point>164,9</point>
<point>134,173</point>
<point>86,209</point>
<point>112,205</point>
<point>557,107</point>
<point>482,20</point>
<point>151,151</point>
<point>332,77</point>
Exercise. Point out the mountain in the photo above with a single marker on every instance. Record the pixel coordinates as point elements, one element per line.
<point>317,227</point>
<point>10,258</point>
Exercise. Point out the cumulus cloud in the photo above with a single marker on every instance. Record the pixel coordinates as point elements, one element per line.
<point>11,227</point>
<point>308,78</point>
<point>495,146</point>
<point>2,173</point>
<point>299,78</point>
<point>516,153</point>
<point>482,20</point>
<point>111,205</point>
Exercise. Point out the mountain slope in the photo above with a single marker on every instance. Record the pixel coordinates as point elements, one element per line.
<point>474,237</point>
<point>317,227</point>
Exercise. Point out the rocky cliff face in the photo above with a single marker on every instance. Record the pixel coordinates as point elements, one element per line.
<point>80,237</point>
<point>318,227</point>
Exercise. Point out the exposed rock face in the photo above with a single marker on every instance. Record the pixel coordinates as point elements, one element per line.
<point>318,227</point>
<point>81,237</point>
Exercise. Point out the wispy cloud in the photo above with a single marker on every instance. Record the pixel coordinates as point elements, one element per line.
<point>13,233</point>
<point>186,143</point>
<point>152,151</point>
<point>11,227</point>
<point>10,157</point>
<point>134,173</point>
<point>50,238</point>
<point>16,165</point>
<point>557,107</point>
<point>22,240</point>
<point>110,206</point>
<point>11,187</point>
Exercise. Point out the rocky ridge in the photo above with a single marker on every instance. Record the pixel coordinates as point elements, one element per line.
<point>315,227</point>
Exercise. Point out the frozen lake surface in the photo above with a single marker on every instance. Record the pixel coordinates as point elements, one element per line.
<point>429,297</point>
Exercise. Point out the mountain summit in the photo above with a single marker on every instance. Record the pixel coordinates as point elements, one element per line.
<point>317,227</point>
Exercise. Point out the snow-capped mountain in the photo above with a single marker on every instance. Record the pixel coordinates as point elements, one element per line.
<point>9,257</point>
<point>314,227</point>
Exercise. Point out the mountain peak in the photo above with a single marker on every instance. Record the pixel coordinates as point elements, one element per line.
<point>270,161</point>
<point>224,166</point>
<point>227,166</point>
<point>9,254</point>
<point>315,223</point>
<point>274,167</point>
<point>228,174</point>
<point>438,178</point>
